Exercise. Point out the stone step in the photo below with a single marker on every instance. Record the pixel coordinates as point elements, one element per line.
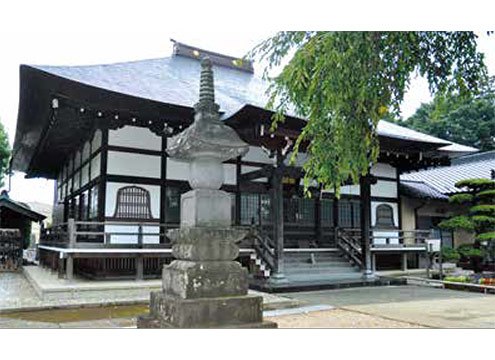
<point>335,270</point>
<point>318,265</point>
<point>323,277</point>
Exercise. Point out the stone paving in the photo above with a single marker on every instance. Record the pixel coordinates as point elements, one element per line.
<point>368,307</point>
<point>16,294</point>
<point>414,305</point>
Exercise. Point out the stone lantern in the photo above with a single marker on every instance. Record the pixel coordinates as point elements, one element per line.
<point>205,287</point>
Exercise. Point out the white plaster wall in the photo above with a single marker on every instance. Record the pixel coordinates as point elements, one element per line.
<point>177,170</point>
<point>230,174</point>
<point>84,175</point>
<point>122,163</point>
<point>258,155</point>
<point>115,238</point>
<point>247,169</point>
<point>392,235</point>
<point>95,167</point>
<point>135,137</point>
<point>385,170</point>
<point>96,141</point>
<point>349,190</point>
<point>384,188</point>
<point>77,159</point>
<point>77,181</point>
<point>111,198</point>
<point>86,151</point>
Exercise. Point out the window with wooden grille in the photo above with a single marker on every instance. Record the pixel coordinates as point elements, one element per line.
<point>384,215</point>
<point>133,202</point>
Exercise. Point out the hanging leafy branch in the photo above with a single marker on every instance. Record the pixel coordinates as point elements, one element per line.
<point>344,82</point>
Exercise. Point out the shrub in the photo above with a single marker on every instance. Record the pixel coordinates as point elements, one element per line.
<point>450,254</point>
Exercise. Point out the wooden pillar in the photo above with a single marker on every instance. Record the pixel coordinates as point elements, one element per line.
<point>163,191</point>
<point>71,231</point>
<point>404,261</point>
<point>318,225</point>
<point>61,266</point>
<point>365,191</point>
<point>335,213</point>
<point>69,267</point>
<point>139,267</point>
<point>237,219</point>
<point>278,221</point>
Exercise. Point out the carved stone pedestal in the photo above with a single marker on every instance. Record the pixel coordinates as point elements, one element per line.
<point>205,288</point>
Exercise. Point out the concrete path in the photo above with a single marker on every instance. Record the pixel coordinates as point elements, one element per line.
<point>16,293</point>
<point>414,305</point>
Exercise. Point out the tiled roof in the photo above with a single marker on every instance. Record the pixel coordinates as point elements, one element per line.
<point>175,80</point>
<point>443,179</point>
<point>418,189</point>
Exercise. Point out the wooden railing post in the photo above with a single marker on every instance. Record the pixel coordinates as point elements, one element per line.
<point>140,235</point>
<point>71,230</point>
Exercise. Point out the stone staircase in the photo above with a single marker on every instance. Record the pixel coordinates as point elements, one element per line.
<point>318,265</point>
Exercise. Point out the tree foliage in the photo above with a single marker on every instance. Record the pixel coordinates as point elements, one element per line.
<point>4,153</point>
<point>478,214</point>
<point>467,121</point>
<point>344,82</point>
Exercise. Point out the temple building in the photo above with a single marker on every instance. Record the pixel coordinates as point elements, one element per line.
<point>425,194</point>
<point>101,132</point>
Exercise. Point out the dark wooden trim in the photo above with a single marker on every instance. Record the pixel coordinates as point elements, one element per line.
<point>103,175</point>
<point>238,172</point>
<point>133,179</point>
<point>131,150</point>
<point>125,221</point>
<point>163,186</point>
<point>365,192</point>
<point>384,199</point>
<point>399,201</point>
<point>385,178</point>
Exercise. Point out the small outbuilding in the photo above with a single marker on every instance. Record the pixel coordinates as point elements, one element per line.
<point>15,230</point>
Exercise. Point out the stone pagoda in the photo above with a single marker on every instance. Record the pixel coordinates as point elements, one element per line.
<point>205,287</point>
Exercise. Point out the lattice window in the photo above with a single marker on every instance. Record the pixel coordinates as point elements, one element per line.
<point>384,215</point>
<point>327,212</point>
<point>345,214</point>
<point>254,205</point>
<point>356,214</point>
<point>133,202</point>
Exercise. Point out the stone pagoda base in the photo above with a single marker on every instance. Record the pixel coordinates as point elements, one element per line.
<point>221,312</point>
<point>205,288</point>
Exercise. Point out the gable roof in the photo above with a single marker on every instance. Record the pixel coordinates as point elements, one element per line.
<point>443,179</point>
<point>20,208</point>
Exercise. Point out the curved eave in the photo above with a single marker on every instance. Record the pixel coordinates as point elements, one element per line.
<point>38,88</point>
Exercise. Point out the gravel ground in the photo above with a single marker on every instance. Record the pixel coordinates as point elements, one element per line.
<point>337,319</point>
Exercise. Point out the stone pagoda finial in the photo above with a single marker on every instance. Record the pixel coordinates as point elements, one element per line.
<point>206,86</point>
<point>206,109</point>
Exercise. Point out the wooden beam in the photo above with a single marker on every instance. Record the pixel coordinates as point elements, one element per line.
<point>265,171</point>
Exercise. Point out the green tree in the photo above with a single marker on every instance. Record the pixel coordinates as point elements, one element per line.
<point>476,212</point>
<point>467,121</point>
<point>4,153</point>
<point>343,82</point>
